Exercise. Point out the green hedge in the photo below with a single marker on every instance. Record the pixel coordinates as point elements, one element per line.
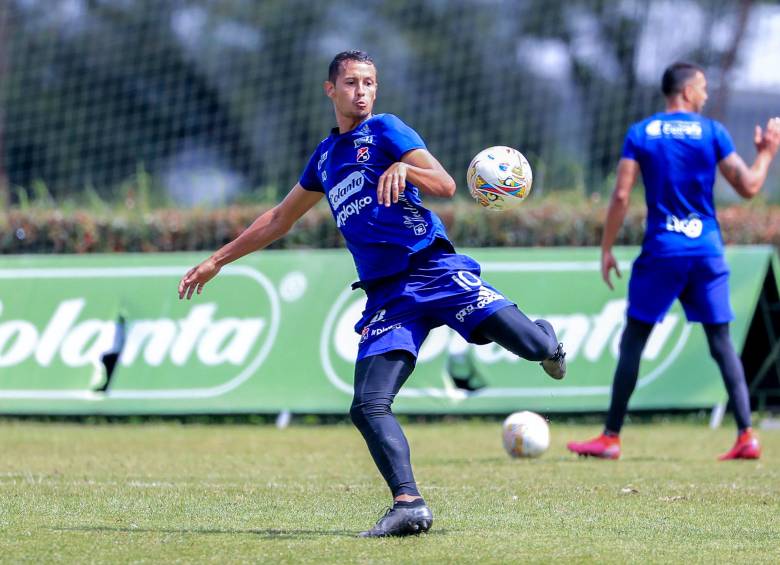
<point>548,223</point>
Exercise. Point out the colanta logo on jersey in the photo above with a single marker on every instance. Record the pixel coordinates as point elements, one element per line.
<point>690,227</point>
<point>339,194</point>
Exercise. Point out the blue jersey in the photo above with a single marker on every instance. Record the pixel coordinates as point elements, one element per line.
<point>346,167</point>
<point>678,154</point>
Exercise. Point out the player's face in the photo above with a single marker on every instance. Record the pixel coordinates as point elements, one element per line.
<point>696,91</point>
<point>354,92</point>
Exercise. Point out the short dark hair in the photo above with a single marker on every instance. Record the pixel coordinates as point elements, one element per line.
<point>676,75</point>
<point>353,55</point>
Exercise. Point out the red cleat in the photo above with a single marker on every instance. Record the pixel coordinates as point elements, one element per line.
<point>604,446</point>
<point>746,447</point>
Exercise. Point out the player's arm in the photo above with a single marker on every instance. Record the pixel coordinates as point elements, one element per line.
<point>627,173</point>
<point>747,181</point>
<point>422,170</point>
<point>266,229</point>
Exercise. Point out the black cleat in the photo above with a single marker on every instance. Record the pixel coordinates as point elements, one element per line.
<point>401,521</point>
<point>555,366</point>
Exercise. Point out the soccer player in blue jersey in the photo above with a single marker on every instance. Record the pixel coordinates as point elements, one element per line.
<point>677,152</point>
<point>372,169</point>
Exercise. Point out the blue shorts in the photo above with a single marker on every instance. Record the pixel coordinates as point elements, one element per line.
<point>701,284</point>
<point>440,287</point>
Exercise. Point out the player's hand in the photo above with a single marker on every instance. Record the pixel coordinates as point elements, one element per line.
<point>391,184</point>
<point>769,139</point>
<point>197,277</point>
<point>608,263</point>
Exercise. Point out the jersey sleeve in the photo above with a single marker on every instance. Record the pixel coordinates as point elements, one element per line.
<point>631,145</point>
<point>310,179</point>
<point>399,137</point>
<point>724,145</point>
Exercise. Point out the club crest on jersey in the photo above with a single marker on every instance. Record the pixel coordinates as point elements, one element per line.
<point>364,140</point>
<point>362,155</point>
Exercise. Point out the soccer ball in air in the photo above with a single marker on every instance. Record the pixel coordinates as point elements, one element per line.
<point>499,178</point>
<point>526,434</point>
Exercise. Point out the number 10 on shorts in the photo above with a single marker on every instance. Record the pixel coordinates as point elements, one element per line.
<point>466,280</point>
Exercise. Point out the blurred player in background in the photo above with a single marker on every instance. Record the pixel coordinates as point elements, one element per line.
<point>372,169</point>
<point>677,152</point>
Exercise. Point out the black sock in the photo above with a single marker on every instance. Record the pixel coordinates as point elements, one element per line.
<point>409,504</point>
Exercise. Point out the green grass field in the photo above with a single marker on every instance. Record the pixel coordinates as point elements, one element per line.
<point>172,493</point>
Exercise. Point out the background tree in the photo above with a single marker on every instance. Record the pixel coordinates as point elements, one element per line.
<point>199,94</point>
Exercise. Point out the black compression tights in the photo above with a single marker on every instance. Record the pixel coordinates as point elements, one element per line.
<point>514,331</point>
<point>732,371</point>
<point>378,379</point>
<point>632,343</point>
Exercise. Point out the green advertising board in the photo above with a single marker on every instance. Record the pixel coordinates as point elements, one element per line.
<point>274,332</point>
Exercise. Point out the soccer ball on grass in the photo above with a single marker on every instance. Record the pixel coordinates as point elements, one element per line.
<point>526,434</point>
<point>499,178</point>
